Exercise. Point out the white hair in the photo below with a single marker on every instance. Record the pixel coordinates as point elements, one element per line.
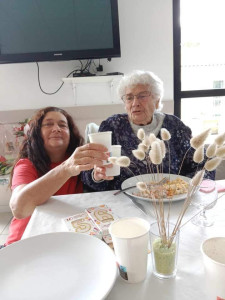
<point>154,83</point>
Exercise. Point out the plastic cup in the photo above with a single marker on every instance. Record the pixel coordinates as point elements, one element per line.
<point>214,262</point>
<point>103,138</point>
<point>130,238</point>
<point>115,170</point>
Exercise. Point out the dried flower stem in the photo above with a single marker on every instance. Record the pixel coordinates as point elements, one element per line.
<point>169,156</point>
<point>148,165</point>
<point>159,211</point>
<point>140,174</point>
<point>153,153</point>
<point>187,202</point>
<point>183,161</point>
<point>132,171</point>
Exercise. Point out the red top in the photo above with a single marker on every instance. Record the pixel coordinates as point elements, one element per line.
<point>24,173</point>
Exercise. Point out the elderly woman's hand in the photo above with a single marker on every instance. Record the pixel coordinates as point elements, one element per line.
<point>86,158</point>
<point>99,173</point>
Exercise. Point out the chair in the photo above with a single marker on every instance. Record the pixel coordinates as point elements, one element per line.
<point>220,171</point>
<point>90,128</point>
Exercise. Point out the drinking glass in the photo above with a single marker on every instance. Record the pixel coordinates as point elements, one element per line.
<point>204,199</point>
<point>164,257</point>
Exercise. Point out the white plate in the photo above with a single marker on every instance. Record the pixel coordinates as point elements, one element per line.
<point>63,265</point>
<point>147,178</point>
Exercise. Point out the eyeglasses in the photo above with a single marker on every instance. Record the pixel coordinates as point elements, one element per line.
<point>129,98</point>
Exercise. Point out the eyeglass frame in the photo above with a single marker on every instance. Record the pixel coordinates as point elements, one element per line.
<point>137,96</point>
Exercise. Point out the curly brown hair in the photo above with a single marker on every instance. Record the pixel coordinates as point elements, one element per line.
<point>33,145</point>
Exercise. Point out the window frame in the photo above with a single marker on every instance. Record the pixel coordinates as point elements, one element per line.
<point>178,93</point>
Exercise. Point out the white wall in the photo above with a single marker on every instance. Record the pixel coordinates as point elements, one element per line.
<point>146,43</point>
<point>146,32</point>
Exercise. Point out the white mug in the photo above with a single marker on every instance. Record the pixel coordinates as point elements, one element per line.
<point>115,170</point>
<point>103,138</point>
<point>213,251</point>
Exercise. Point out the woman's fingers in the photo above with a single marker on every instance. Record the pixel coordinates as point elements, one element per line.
<point>88,157</point>
<point>92,151</point>
<point>88,162</point>
<point>99,173</point>
<point>91,147</point>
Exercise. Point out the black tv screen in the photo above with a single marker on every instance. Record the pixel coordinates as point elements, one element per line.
<point>46,30</point>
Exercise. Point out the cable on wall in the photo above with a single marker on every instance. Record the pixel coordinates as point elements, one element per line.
<point>76,72</point>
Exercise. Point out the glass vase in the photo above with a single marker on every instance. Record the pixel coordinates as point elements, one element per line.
<point>164,255</point>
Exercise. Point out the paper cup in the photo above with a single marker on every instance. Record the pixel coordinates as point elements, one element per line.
<point>130,238</point>
<point>213,251</point>
<point>103,138</point>
<point>115,170</point>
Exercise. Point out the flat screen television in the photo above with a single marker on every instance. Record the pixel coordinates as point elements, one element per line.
<point>54,30</point>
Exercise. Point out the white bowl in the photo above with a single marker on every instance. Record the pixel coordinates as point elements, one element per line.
<point>213,251</point>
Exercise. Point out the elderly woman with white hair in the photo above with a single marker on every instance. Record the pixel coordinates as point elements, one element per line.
<point>142,92</point>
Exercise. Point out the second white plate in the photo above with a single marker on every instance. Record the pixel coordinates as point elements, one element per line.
<point>147,178</point>
<point>55,266</point>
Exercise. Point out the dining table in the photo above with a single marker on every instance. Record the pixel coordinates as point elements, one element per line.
<point>189,282</point>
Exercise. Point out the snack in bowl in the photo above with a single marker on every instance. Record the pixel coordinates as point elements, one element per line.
<point>169,189</point>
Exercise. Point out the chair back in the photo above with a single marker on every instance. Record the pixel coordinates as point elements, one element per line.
<point>90,128</point>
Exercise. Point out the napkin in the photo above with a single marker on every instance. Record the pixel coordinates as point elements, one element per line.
<point>220,186</point>
<point>208,186</point>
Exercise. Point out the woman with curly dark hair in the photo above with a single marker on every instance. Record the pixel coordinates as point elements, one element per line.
<point>49,163</point>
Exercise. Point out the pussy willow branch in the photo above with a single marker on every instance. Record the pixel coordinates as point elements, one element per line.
<point>169,155</point>
<point>168,214</point>
<point>179,227</point>
<point>132,163</point>
<point>191,192</point>
<point>181,215</point>
<point>148,162</point>
<point>183,161</point>
<point>159,212</point>
<point>159,217</point>
<point>150,165</point>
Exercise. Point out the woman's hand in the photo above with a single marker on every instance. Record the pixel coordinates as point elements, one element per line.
<point>99,173</point>
<point>26,197</point>
<point>86,158</point>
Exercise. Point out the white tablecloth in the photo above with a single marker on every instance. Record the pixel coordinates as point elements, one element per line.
<point>189,284</point>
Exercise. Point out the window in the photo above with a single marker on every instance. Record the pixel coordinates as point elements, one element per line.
<point>199,63</point>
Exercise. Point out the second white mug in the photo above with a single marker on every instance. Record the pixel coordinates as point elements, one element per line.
<point>115,170</point>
